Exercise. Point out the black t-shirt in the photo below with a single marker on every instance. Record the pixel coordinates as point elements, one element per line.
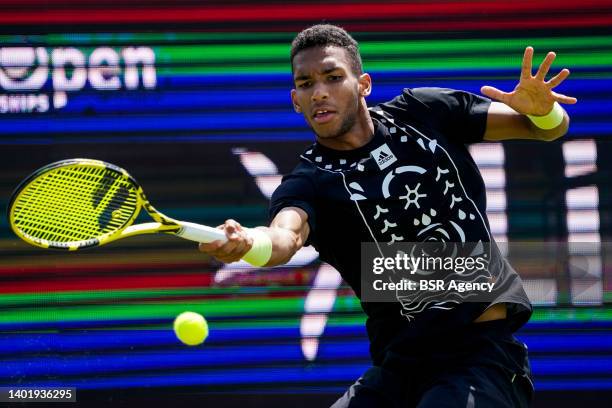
<point>413,181</point>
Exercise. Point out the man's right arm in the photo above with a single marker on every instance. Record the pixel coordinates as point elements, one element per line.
<point>288,232</point>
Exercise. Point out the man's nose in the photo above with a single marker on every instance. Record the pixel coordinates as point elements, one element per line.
<point>319,93</point>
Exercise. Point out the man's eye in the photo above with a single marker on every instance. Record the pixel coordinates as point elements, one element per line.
<point>304,85</point>
<point>335,77</point>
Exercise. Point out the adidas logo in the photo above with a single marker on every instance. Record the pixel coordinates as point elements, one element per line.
<point>383,156</point>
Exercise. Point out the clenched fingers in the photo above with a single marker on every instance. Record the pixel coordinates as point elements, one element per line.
<point>237,245</point>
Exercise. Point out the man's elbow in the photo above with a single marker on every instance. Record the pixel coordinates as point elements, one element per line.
<point>294,244</point>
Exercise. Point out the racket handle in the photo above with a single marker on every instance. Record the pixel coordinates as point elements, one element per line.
<point>200,233</point>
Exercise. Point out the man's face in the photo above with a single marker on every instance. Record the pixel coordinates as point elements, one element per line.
<point>326,90</point>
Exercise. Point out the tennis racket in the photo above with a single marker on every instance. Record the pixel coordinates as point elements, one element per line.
<point>81,203</point>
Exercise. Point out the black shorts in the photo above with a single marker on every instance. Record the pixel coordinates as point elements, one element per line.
<point>485,366</point>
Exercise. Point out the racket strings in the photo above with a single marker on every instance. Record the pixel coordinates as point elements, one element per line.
<point>59,225</point>
<point>68,204</point>
<point>107,196</point>
<point>64,221</point>
<point>65,202</point>
<point>70,201</point>
<point>75,203</point>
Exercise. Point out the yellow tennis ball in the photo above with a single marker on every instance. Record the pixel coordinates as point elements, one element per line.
<point>191,328</point>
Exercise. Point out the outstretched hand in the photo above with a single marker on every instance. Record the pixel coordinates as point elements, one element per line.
<point>533,95</point>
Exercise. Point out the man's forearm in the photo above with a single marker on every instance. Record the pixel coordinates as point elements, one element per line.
<point>285,243</point>
<point>504,123</point>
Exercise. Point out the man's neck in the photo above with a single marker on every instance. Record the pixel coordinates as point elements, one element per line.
<point>358,136</point>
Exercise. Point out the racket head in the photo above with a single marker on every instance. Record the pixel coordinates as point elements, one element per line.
<point>74,203</point>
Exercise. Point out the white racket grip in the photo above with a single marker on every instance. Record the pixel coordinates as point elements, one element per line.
<point>200,233</point>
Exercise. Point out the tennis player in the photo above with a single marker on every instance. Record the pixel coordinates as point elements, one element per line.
<point>388,174</point>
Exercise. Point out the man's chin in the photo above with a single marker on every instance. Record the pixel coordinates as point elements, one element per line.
<point>329,130</point>
<point>323,132</point>
<point>327,135</point>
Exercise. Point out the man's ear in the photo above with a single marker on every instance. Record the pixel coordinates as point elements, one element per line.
<point>365,84</point>
<point>296,105</point>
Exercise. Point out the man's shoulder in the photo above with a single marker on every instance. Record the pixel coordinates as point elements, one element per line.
<point>305,167</point>
<point>418,105</point>
<point>420,97</point>
<point>299,184</point>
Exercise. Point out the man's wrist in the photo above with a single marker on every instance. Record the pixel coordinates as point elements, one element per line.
<point>261,250</point>
<point>551,120</point>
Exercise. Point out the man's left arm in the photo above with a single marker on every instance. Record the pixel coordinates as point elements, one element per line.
<point>532,110</point>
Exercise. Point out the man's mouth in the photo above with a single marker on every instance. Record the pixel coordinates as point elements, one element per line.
<point>323,115</point>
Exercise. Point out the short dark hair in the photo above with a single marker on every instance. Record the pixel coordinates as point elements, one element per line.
<point>322,35</point>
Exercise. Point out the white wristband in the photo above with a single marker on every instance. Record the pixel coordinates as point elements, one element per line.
<point>550,120</point>
<point>261,251</point>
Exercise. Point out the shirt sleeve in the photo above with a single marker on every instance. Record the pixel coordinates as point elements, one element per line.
<point>460,115</point>
<point>296,191</point>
